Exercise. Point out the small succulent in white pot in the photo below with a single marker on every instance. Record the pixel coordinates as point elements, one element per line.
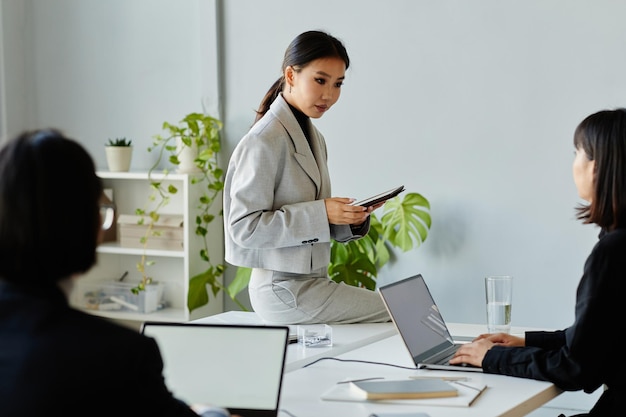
<point>119,153</point>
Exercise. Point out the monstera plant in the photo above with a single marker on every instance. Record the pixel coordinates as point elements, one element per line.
<point>404,225</point>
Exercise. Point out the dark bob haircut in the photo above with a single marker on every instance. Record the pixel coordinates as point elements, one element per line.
<point>49,208</point>
<point>602,136</point>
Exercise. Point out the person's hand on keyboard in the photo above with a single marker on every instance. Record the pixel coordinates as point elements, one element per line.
<point>503,339</point>
<point>471,353</point>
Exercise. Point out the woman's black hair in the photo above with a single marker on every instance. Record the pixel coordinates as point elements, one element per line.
<point>306,47</point>
<point>49,208</point>
<point>602,136</point>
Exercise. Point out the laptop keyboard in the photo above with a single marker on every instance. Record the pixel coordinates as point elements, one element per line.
<point>445,359</point>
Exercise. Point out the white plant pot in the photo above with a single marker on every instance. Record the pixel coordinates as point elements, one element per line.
<point>186,156</point>
<point>118,157</point>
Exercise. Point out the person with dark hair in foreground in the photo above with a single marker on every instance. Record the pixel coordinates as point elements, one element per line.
<point>585,355</point>
<point>56,360</point>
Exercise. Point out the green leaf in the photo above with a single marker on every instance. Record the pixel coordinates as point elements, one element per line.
<point>198,294</point>
<point>240,282</point>
<point>406,222</point>
<point>186,141</point>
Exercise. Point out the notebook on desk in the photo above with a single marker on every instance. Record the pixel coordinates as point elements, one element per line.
<point>420,324</point>
<point>219,364</point>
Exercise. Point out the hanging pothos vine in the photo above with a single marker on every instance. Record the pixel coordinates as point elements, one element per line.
<point>201,133</point>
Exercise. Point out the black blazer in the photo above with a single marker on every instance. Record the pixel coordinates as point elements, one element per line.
<point>587,354</point>
<point>55,360</point>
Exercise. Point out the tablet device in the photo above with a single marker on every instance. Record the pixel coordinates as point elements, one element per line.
<point>379,198</point>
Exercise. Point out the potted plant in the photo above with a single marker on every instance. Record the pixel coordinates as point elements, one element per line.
<point>200,134</point>
<point>119,153</point>
<point>404,225</point>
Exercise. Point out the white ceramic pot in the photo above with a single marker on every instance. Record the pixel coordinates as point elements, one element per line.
<point>118,157</point>
<point>186,156</point>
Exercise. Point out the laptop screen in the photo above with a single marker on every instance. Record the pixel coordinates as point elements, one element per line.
<point>416,317</point>
<point>238,367</point>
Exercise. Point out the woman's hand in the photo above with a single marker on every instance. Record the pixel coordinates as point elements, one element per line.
<point>472,353</point>
<point>502,339</point>
<point>340,211</point>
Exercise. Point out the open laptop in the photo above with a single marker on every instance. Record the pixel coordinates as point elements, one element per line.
<point>219,364</point>
<point>420,324</point>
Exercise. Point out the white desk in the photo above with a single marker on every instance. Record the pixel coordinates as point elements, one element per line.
<point>302,388</point>
<point>346,337</point>
<point>379,342</point>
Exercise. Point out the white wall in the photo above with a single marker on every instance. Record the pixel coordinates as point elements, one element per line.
<point>16,87</point>
<point>117,68</point>
<point>3,115</point>
<point>472,104</point>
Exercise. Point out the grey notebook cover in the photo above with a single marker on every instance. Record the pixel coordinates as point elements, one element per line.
<point>405,388</point>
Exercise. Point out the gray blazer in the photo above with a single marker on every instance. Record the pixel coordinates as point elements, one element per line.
<point>274,213</point>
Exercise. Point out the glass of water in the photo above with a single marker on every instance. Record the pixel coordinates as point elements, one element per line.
<point>499,296</point>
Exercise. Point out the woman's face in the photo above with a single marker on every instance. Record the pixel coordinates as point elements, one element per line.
<point>314,89</point>
<point>583,170</point>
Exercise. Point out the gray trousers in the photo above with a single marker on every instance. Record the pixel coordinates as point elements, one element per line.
<point>285,298</point>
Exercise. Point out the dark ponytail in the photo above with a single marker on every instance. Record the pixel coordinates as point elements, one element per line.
<point>269,97</point>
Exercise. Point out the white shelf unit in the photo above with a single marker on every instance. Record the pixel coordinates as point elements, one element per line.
<point>131,190</point>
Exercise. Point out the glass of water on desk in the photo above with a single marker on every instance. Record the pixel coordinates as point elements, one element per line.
<point>499,296</point>
<point>315,335</point>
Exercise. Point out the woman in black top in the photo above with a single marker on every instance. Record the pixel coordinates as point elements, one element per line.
<point>54,359</point>
<point>585,355</point>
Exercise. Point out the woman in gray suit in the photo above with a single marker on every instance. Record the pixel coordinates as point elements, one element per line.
<point>279,215</point>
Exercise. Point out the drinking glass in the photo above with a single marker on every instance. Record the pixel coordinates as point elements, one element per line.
<point>499,295</point>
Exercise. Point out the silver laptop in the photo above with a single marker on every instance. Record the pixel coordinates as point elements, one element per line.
<point>420,324</point>
<point>219,364</point>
